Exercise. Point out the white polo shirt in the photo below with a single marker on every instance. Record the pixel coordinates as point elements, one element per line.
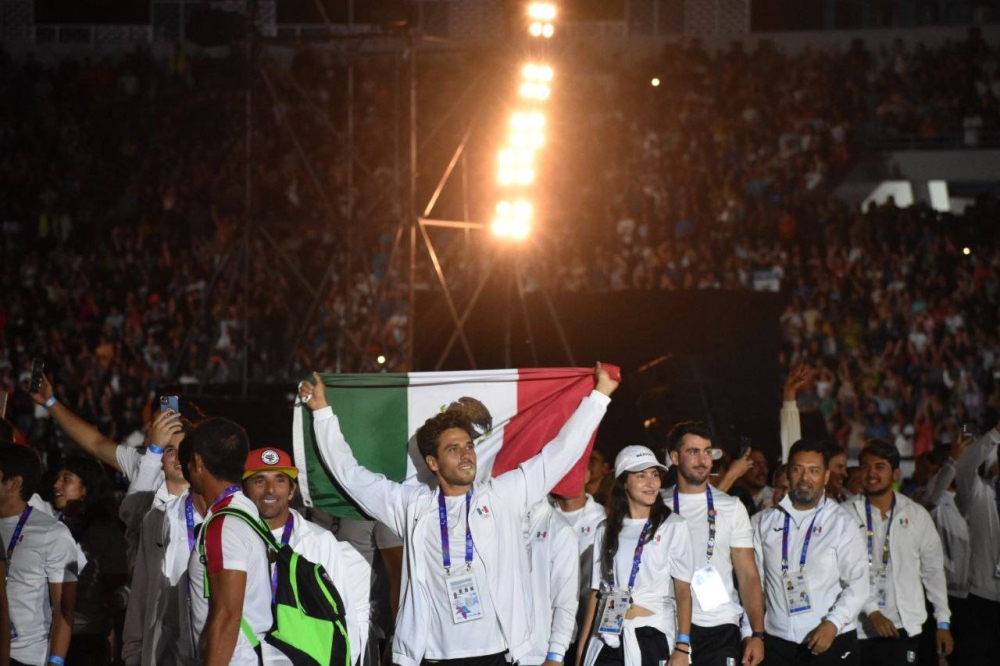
<point>585,522</point>
<point>232,544</point>
<point>445,638</point>
<point>836,568</point>
<point>45,553</point>
<point>732,530</point>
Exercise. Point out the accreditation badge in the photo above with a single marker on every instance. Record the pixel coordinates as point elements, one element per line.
<point>709,588</point>
<point>797,593</point>
<point>614,604</point>
<point>879,581</point>
<point>463,596</point>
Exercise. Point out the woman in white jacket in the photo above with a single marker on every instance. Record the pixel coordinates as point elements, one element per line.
<point>639,551</point>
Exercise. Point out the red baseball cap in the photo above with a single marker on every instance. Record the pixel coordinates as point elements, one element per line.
<point>269,460</point>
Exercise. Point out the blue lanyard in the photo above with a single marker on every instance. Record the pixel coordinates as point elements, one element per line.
<point>17,533</point>
<point>285,536</point>
<point>636,559</point>
<point>225,494</point>
<point>711,518</point>
<point>805,544</point>
<point>871,532</point>
<point>189,518</point>
<point>443,519</point>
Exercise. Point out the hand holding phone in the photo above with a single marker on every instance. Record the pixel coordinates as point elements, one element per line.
<point>37,368</point>
<point>169,402</point>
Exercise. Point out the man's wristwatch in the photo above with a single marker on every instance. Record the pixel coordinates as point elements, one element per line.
<point>757,634</point>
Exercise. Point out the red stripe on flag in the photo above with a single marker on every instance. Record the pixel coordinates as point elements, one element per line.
<point>546,398</point>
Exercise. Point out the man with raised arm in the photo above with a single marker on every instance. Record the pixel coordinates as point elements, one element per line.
<point>466,578</point>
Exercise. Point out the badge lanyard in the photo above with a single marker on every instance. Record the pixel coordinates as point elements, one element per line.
<point>636,559</point>
<point>225,493</point>
<point>189,519</point>
<point>445,546</point>
<point>871,533</point>
<point>711,518</point>
<point>286,534</point>
<point>805,544</point>
<point>17,534</point>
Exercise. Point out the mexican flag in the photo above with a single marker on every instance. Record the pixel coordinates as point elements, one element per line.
<point>517,412</point>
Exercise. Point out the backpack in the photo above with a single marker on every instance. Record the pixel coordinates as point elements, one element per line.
<point>309,625</point>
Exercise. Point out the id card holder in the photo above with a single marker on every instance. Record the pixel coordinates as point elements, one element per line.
<point>879,581</point>
<point>709,588</point>
<point>614,605</point>
<point>797,593</point>
<point>463,597</point>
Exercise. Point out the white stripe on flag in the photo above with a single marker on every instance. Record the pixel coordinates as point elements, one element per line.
<point>430,392</point>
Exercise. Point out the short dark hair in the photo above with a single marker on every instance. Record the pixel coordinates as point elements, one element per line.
<point>676,434</point>
<point>881,449</point>
<point>834,449</point>
<point>809,445</point>
<point>223,446</point>
<point>20,461</point>
<point>6,430</point>
<point>430,432</point>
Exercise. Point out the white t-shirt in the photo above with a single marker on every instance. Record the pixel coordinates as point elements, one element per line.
<point>732,530</point>
<point>585,522</point>
<point>667,556</point>
<point>445,639</point>
<point>45,553</point>
<point>232,544</point>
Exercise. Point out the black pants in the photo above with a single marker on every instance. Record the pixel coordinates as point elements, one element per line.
<point>890,651</point>
<point>716,646</point>
<point>498,659</point>
<point>983,635</point>
<point>843,652</point>
<point>652,646</point>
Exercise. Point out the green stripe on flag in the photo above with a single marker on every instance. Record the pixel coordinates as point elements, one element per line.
<point>372,412</point>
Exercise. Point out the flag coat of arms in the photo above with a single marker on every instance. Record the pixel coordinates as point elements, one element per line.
<point>516,412</point>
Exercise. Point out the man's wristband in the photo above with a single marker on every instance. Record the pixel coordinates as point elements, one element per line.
<point>58,661</point>
<point>944,625</point>
<point>50,402</point>
<point>757,634</point>
<point>153,448</point>
<point>684,638</point>
<point>554,656</point>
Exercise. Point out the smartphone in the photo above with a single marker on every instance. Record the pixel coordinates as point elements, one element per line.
<point>968,430</point>
<point>169,402</point>
<point>37,368</point>
<point>745,445</point>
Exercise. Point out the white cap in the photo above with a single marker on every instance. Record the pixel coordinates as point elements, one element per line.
<point>635,459</point>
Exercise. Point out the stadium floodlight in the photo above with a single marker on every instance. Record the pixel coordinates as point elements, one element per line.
<point>513,219</point>
<point>542,11</point>
<point>655,82</point>
<point>537,73</point>
<point>380,359</point>
<point>535,91</point>
<point>528,121</point>
<point>536,29</point>
<point>548,31</point>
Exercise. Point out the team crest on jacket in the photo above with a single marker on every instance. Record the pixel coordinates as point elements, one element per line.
<point>818,529</point>
<point>585,530</point>
<point>905,522</point>
<point>541,535</point>
<point>483,510</point>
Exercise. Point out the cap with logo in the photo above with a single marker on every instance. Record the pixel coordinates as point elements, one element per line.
<point>269,460</point>
<point>635,459</point>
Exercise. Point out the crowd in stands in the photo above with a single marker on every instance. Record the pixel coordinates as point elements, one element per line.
<point>123,230</point>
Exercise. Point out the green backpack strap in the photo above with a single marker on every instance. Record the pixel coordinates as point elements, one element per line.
<point>262,531</point>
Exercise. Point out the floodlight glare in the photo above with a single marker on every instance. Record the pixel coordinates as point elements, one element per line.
<point>537,91</point>
<point>519,229</point>
<point>538,73</point>
<point>966,251</point>
<point>542,11</point>
<point>535,29</point>
<point>655,82</point>
<point>531,121</point>
<point>548,31</point>
<point>381,359</point>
